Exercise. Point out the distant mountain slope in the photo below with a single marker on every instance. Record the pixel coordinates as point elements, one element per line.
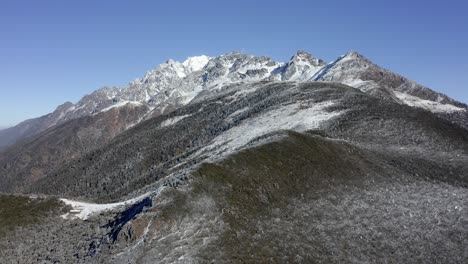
<point>174,84</point>
<point>355,70</point>
<point>30,160</point>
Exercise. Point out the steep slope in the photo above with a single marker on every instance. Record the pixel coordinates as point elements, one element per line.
<point>355,70</point>
<point>31,127</point>
<point>306,199</point>
<point>301,67</point>
<point>30,160</point>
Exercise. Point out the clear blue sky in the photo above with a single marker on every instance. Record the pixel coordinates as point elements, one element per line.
<point>57,51</point>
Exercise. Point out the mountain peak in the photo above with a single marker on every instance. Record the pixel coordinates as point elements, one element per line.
<point>354,55</point>
<point>233,53</point>
<point>170,62</point>
<point>302,56</point>
<point>302,66</point>
<point>196,63</point>
<point>302,53</point>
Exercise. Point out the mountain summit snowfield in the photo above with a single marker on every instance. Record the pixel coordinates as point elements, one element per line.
<point>240,158</point>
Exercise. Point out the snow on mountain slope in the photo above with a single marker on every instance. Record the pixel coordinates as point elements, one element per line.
<point>302,67</point>
<point>120,104</point>
<point>432,106</point>
<point>175,83</point>
<point>355,70</point>
<point>196,63</point>
<point>300,116</point>
<point>84,210</point>
<point>172,121</point>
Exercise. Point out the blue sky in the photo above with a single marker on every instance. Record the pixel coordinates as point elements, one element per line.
<point>57,51</point>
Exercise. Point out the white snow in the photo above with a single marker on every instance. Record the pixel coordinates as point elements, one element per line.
<point>120,104</point>
<point>72,108</point>
<point>324,70</point>
<point>172,121</point>
<point>240,111</point>
<point>297,116</point>
<point>258,66</point>
<point>345,57</point>
<point>147,96</point>
<point>83,210</point>
<point>244,91</point>
<point>435,107</point>
<point>304,69</point>
<point>177,83</point>
<point>196,63</point>
<point>303,73</point>
<point>173,67</point>
<point>353,82</point>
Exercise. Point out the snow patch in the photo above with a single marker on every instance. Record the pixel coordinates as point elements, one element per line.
<point>83,210</point>
<point>356,83</point>
<point>196,63</point>
<point>298,116</point>
<point>172,121</point>
<point>120,104</point>
<point>147,96</point>
<point>238,112</point>
<point>435,107</point>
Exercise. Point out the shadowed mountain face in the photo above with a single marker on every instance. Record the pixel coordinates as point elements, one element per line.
<point>370,169</point>
<point>32,159</point>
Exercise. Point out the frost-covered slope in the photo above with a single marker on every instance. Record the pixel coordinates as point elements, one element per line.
<point>355,70</point>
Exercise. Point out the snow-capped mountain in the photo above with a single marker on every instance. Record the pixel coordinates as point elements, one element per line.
<point>301,66</point>
<point>174,84</point>
<point>226,158</point>
<point>355,70</point>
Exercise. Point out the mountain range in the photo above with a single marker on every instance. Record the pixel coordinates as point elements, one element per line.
<point>239,158</point>
<point>174,84</point>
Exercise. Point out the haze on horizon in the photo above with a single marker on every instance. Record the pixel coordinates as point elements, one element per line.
<point>54,51</point>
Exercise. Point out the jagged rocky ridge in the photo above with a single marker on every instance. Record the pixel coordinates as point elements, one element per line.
<point>173,84</point>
